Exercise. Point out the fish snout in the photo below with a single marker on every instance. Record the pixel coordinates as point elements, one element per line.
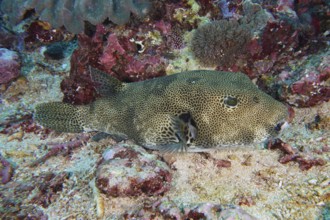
<point>281,126</point>
<point>285,123</point>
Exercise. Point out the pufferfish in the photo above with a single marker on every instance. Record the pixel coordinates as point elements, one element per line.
<point>188,111</point>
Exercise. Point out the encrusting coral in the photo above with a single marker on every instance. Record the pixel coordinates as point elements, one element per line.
<point>72,14</point>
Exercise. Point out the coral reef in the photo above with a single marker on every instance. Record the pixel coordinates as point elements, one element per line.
<point>307,84</point>
<point>129,56</point>
<point>72,14</point>
<point>50,175</point>
<point>10,65</point>
<point>285,31</point>
<point>128,170</point>
<point>40,33</point>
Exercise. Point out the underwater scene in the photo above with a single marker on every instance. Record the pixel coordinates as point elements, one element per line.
<point>182,110</point>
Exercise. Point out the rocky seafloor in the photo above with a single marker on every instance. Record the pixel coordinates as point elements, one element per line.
<point>51,175</point>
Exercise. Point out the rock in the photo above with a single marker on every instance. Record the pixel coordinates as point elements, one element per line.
<point>9,65</point>
<point>129,170</point>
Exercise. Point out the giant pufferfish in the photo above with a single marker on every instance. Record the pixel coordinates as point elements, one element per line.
<point>189,111</point>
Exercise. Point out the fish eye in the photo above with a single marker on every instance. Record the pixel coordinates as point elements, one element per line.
<point>230,101</point>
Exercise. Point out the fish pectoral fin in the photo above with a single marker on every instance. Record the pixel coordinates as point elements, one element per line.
<point>179,127</point>
<point>187,126</point>
<point>106,85</point>
<point>173,147</point>
<point>184,130</point>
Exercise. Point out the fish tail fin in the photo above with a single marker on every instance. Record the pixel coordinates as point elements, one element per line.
<point>61,117</point>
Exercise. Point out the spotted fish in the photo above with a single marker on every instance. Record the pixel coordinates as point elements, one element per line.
<point>188,111</point>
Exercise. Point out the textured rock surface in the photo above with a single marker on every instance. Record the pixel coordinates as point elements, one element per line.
<point>128,170</point>
<point>167,209</point>
<point>9,65</point>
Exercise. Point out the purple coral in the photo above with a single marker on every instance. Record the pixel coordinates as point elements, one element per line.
<point>128,170</point>
<point>9,65</point>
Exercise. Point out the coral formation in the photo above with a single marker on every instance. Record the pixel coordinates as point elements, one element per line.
<point>72,14</point>
<point>128,170</point>
<point>10,65</point>
<point>40,33</point>
<point>219,42</point>
<point>308,83</point>
<point>120,54</point>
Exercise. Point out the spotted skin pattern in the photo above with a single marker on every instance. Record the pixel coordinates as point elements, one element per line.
<point>201,108</point>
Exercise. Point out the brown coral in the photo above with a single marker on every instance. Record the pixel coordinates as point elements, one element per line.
<point>219,42</point>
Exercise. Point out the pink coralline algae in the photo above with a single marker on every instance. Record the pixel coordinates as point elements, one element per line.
<point>40,33</point>
<point>127,56</point>
<point>10,65</point>
<point>304,161</point>
<point>291,30</point>
<point>124,58</point>
<point>309,84</point>
<point>128,170</point>
<point>270,51</point>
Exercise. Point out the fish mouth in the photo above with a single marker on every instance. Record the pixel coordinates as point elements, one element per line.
<point>281,126</point>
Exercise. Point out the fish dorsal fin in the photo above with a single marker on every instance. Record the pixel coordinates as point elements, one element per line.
<point>106,85</point>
